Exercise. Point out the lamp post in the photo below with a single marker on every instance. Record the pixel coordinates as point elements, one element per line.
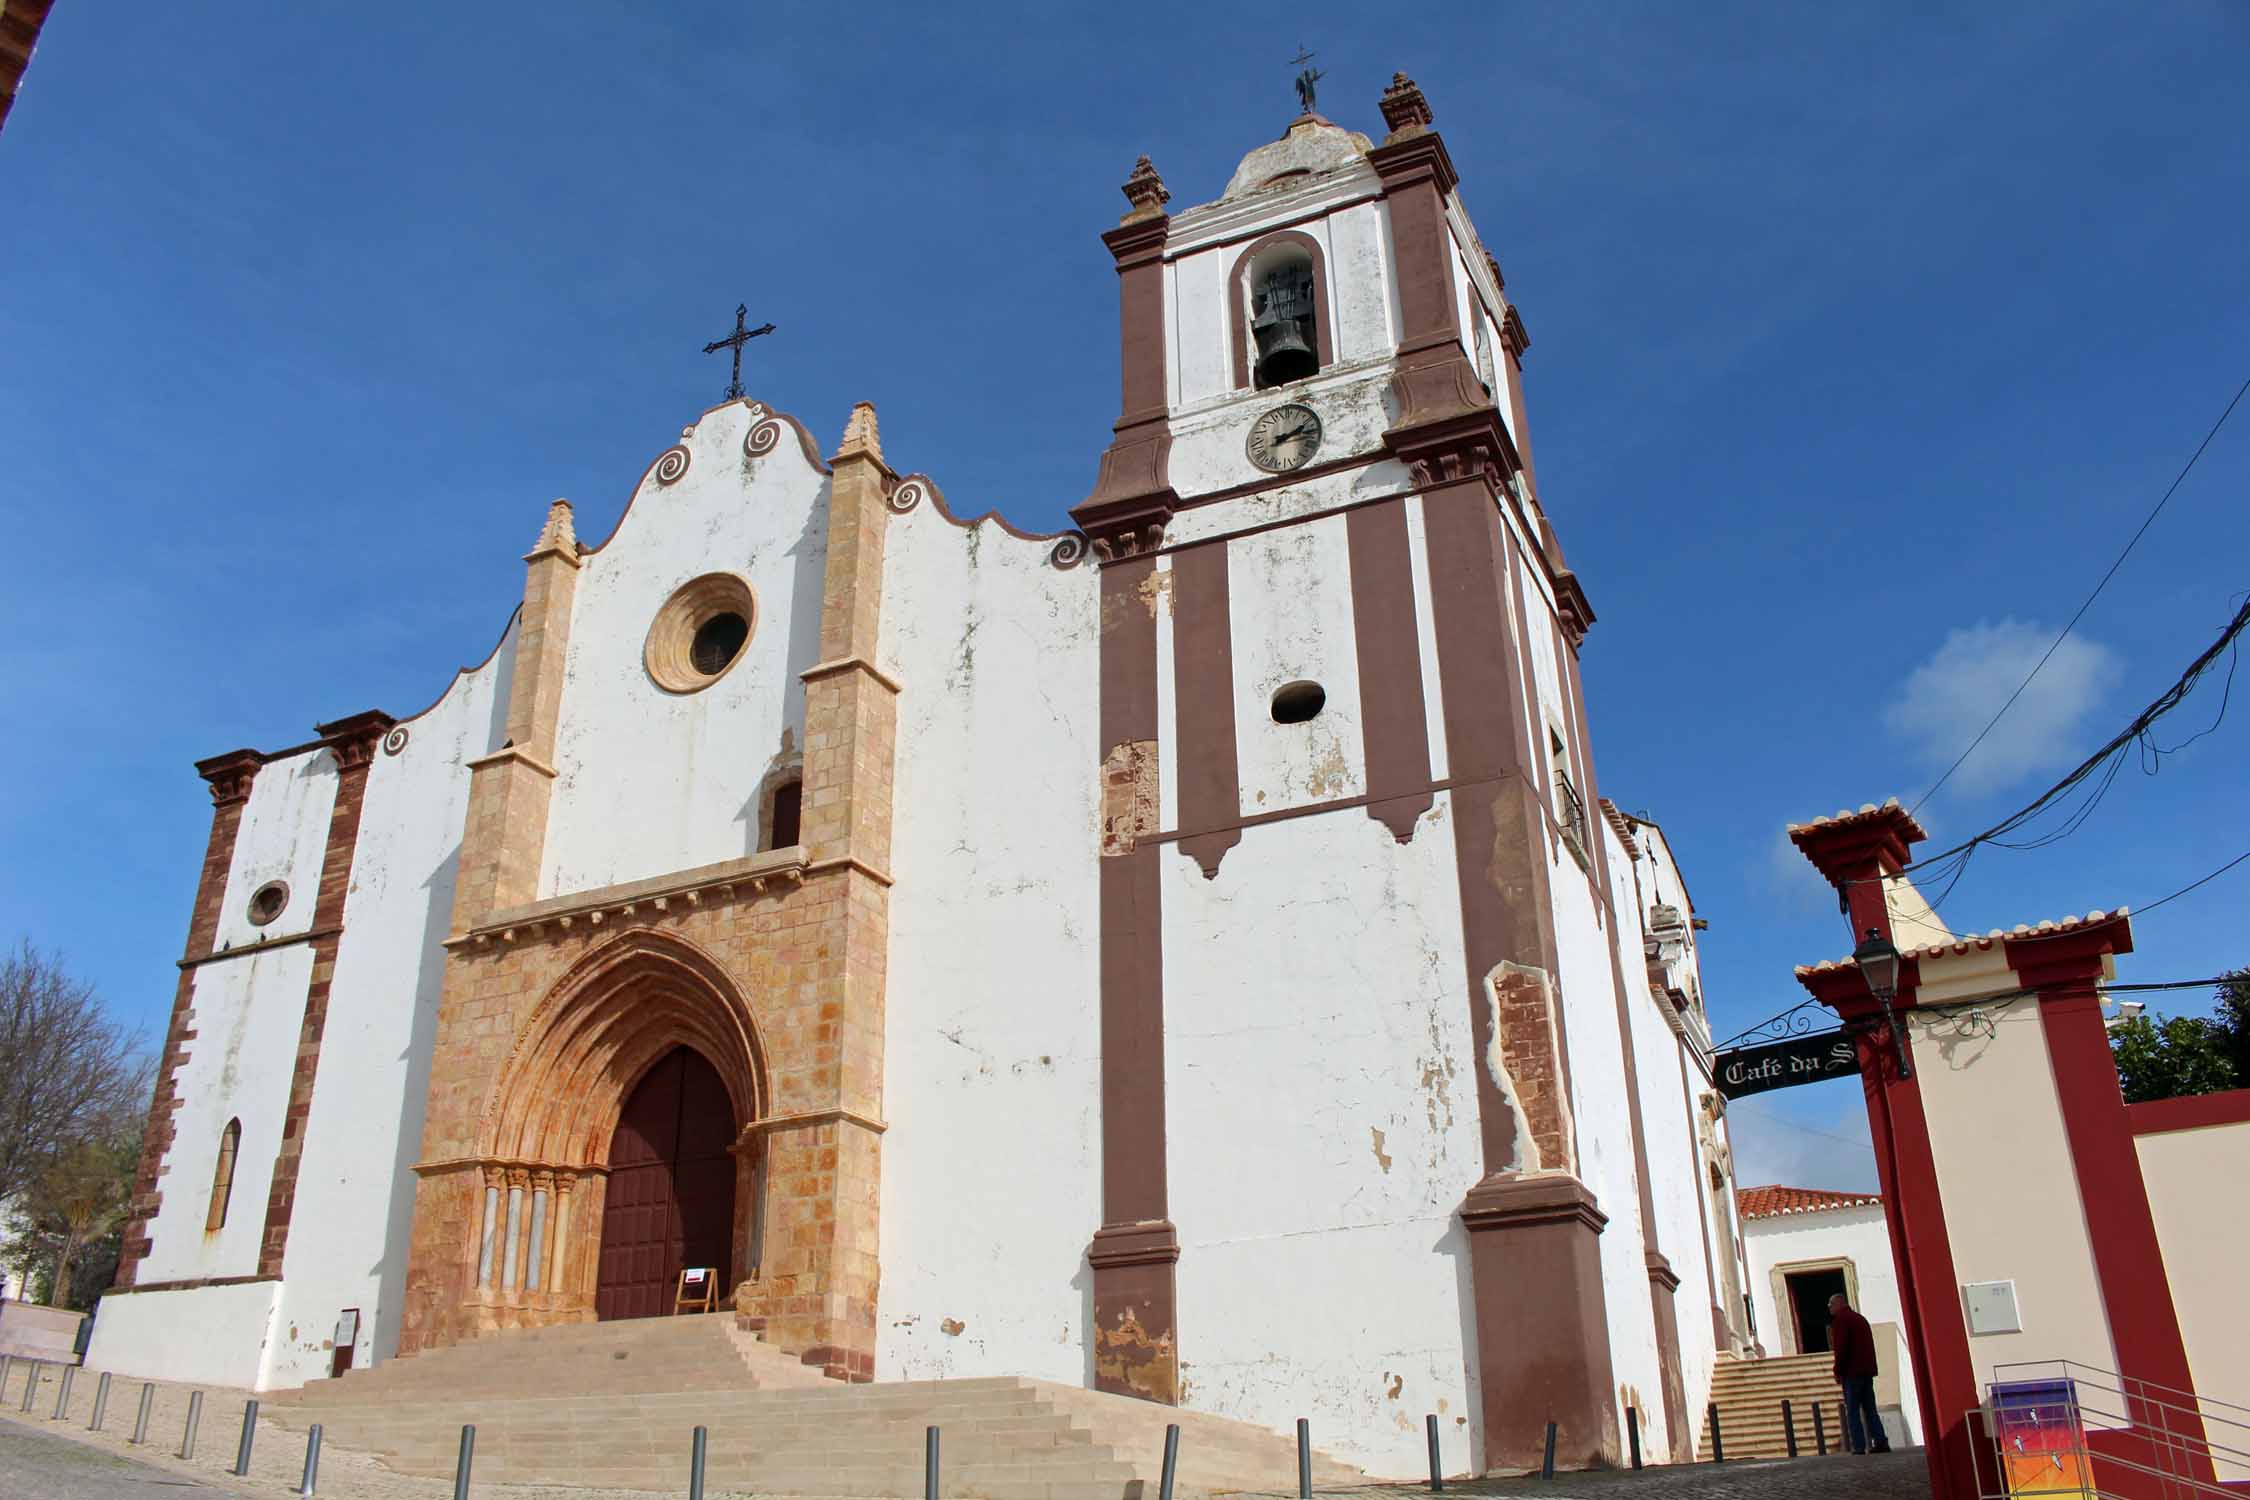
<point>1877,960</point>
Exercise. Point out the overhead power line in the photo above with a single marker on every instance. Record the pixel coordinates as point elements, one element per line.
<point>2133,542</point>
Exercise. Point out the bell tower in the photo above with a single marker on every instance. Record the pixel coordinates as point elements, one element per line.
<point>1329,594</point>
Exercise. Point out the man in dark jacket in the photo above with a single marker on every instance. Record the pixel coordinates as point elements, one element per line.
<point>1853,1344</point>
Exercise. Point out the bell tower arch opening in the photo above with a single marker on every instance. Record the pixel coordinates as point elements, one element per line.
<point>1278,300</point>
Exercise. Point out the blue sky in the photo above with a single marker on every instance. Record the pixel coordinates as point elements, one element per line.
<point>1861,339</point>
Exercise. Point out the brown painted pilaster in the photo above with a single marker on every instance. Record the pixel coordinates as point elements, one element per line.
<point>1133,498</point>
<point>352,741</point>
<point>1135,1250</point>
<point>229,777</point>
<point>1203,695</point>
<point>1392,711</point>
<point>1542,1332</point>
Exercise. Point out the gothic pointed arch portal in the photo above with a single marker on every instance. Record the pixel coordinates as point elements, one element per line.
<point>644,1046</point>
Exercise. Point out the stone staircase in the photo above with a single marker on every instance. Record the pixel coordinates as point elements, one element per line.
<point>613,1405</point>
<point>1749,1393</point>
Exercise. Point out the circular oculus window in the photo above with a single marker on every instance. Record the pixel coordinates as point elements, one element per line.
<point>268,901</point>
<point>699,634</point>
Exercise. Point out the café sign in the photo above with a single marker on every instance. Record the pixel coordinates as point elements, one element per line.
<point>1785,1064</point>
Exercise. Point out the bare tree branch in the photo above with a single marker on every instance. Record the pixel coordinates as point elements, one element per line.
<point>68,1073</point>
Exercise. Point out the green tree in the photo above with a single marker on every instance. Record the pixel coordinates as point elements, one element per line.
<point>2168,1057</point>
<point>70,1221</point>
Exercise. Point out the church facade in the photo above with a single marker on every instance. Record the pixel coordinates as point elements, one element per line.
<point>1186,955</point>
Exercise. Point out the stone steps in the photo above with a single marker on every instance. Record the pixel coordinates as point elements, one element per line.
<point>1749,1393</point>
<point>615,1404</point>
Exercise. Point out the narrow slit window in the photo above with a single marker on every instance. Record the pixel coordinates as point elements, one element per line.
<point>785,822</point>
<point>222,1177</point>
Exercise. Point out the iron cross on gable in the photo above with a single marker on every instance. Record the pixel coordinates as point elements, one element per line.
<point>735,341</point>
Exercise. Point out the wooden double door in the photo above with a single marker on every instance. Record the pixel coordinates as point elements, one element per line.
<point>669,1203</point>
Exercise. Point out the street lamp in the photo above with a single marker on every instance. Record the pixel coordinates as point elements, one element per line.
<point>1878,965</point>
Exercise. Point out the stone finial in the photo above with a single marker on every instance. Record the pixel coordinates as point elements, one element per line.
<point>1145,191</point>
<point>1404,108</point>
<point>1492,264</point>
<point>860,436</point>
<point>557,535</point>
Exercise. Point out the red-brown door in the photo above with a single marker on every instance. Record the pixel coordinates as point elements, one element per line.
<point>670,1199</point>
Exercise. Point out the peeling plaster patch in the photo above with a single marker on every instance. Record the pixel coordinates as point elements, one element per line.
<point>1156,592</point>
<point>1128,1357</point>
<point>1381,1155</point>
<point>951,1327</point>
<point>1129,793</point>
<point>1398,1383</point>
<point>1523,1149</point>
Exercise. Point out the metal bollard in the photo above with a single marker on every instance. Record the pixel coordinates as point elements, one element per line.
<point>101,1402</point>
<point>1718,1443</point>
<point>7,1364</point>
<point>1788,1428</point>
<point>1304,1459</point>
<point>1437,1469</point>
<point>1820,1429</point>
<point>1547,1462</point>
<point>1171,1460</point>
<point>695,1465</point>
<point>194,1420</point>
<point>930,1465</point>
<point>249,1431</point>
<point>62,1396</point>
<point>30,1384</point>
<point>461,1465</point>
<point>140,1418</point>
<point>1633,1433</point>
<point>312,1460</point>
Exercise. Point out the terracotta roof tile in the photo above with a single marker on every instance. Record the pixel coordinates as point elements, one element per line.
<point>1967,941</point>
<point>1868,813</point>
<point>1770,1201</point>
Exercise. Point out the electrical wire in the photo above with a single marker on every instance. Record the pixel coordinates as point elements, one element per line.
<point>2133,542</point>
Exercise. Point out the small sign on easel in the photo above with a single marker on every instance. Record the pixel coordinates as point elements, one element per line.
<point>698,1290</point>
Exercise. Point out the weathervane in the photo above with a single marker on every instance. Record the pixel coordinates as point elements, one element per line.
<point>1307,76</point>
<point>735,341</point>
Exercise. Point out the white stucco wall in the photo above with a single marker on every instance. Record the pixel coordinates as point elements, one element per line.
<point>1604,1133</point>
<point>1290,619</point>
<point>991,1184</point>
<point>650,781</point>
<point>247,1012</point>
<point>282,836</point>
<point>348,1233</point>
<point>213,1335</point>
<point>1321,1131</point>
<point>2009,1186</point>
<point>2194,1192</point>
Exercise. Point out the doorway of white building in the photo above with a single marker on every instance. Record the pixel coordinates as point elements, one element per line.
<point>1809,1292</point>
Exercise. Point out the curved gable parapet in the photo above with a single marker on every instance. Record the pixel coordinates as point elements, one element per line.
<point>1068,549</point>
<point>461,675</point>
<point>737,433</point>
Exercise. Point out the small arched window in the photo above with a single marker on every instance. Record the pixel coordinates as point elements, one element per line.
<point>785,815</point>
<point>222,1176</point>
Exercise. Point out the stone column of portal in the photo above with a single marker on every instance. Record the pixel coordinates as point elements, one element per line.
<point>1533,1226</point>
<point>502,841</point>
<point>823,1137</point>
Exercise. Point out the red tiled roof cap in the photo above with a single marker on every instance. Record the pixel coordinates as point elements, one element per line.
<point>1772,1200</point>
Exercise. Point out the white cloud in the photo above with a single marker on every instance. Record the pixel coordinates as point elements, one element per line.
<point>1790,880</point>
<point>1949,698</point>
<point>1818,1140</point>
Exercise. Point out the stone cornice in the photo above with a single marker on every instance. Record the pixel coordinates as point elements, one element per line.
<point>782,867</point>
<point>1231,219</point>
<point>230,775</point>
<point>842,664</point>
<point>508,753</point>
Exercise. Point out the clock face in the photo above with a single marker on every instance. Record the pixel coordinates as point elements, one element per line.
<point>1285,438</point>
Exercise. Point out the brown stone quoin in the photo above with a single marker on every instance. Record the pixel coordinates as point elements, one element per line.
<point>229,777</point>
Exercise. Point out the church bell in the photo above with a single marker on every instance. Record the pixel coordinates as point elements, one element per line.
<point>1283,325</point>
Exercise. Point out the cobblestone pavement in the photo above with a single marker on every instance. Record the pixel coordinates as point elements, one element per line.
<point>1904,1475</point>
<point>43,1466</point>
